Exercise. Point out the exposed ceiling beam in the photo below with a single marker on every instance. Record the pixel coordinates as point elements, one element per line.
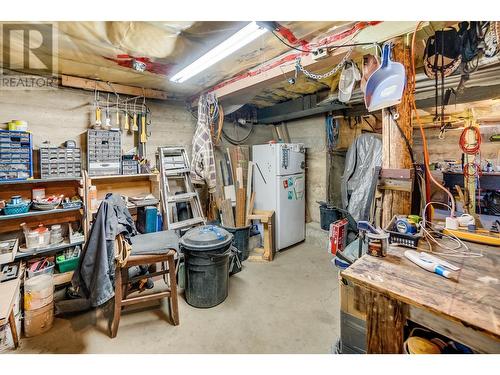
<point>297,108</point>
<point>307,105</point>
<point>243,90</point>
<point>90,84</point>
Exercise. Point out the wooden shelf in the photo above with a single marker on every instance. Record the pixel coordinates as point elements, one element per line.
<point>63,278</point>
<point>126,185</point>
<point>41,180</point>
<point>137,205</point>
<point>38,213</point>
<point>46,250</point>
<point>123,176</point>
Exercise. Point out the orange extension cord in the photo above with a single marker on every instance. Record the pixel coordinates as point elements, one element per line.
<point>429,176</point>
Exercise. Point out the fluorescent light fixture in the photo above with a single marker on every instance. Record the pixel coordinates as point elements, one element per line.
<point>246,35</point>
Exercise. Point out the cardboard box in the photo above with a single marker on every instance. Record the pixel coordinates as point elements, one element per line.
<point>338,236</point>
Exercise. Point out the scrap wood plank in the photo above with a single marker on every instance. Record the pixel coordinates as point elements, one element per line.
<point>250,208</point>
<point>240,207</point>
<point>250,198</point>
<point>227,215</point>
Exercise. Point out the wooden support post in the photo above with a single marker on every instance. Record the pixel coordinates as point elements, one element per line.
<point>395,153</point>
<point>384,324</point>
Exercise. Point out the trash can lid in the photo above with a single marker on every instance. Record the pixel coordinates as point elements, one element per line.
<point>206,237</point>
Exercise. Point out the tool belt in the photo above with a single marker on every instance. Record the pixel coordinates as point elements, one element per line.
<point>122,250</point>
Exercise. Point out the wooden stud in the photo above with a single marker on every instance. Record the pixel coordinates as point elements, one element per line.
<point>395,153</point>
<point>91,84</point>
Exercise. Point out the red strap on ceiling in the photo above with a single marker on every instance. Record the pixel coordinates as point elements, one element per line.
<point>291,57</point>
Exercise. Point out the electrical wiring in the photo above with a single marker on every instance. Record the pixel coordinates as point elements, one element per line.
<point>405,138</point>
<point>429,176</point>
<point>368,123</point>
<point>237,141</point>
<point>332,47</point>
<point>429,228</point>
<point>332,132</point>
<point>289,45</point>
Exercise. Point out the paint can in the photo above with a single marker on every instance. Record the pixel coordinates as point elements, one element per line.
<point>377,244</point>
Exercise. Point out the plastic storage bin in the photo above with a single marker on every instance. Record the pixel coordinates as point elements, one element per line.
<point>49,270</point>
<point>67,264</point>
<point>36,239</point>
<point>38,321</point>
<point>408,240</point>
<point>16,155</point>
<point>38,292</point>
<point>60,162</point>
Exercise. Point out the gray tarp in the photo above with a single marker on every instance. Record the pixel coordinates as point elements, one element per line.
<point>362,158</point>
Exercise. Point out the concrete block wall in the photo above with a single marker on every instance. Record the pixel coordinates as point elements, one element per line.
<point>448,148</point>
<point>311,132</point>
<point>62,114</point>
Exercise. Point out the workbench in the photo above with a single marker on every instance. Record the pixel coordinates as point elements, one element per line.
<point>8,291</point>
<point>394,290</point>
<point>487,180</point>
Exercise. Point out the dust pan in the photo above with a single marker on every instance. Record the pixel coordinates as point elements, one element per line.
<point>386,85</point>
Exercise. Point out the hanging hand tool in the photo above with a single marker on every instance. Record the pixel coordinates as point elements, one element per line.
<point>134,118</point>
<point>126,125</point>
<point>134,122</point>
<point>107,119</point>
<point>97,109</point>
<point>143,128</point>
<point>117,112</point>
<point>144,113</point>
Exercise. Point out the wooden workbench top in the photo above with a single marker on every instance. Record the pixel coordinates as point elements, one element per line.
<point>8,290</point>
<point>474,300</point>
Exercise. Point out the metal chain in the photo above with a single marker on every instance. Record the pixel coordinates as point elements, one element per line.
<point>315,76</point>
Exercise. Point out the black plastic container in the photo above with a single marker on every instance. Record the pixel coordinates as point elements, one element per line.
<point>408,240</point>
<point>206,256</point>
<point>240,240</point>
<point>328,214</point>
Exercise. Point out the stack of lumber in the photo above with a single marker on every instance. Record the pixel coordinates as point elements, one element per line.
<point>236,172</point>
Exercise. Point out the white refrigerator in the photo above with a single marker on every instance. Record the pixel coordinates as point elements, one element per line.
<point>279,183</point>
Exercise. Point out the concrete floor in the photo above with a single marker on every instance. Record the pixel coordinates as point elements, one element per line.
<point>287,306</point>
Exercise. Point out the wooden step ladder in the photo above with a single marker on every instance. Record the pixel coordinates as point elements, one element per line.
<point>174,165</point>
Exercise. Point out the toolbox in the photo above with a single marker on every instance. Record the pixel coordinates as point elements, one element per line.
<point>16,155</point>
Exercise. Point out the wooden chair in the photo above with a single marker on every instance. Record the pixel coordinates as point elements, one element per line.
<point>147,249</point>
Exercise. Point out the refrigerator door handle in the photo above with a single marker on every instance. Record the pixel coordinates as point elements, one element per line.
<point>261,175</point>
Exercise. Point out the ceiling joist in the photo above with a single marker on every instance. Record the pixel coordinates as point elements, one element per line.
<point>91,85</point>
